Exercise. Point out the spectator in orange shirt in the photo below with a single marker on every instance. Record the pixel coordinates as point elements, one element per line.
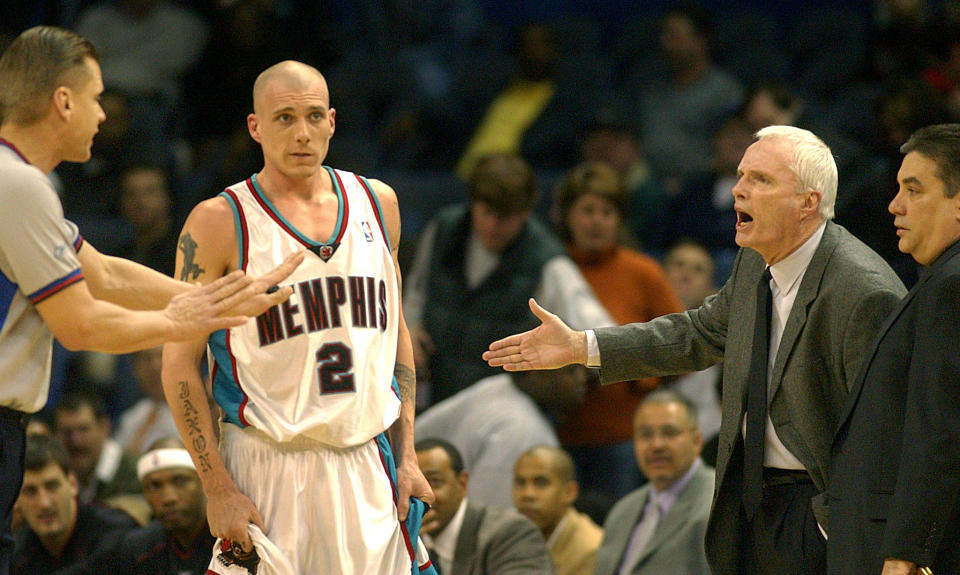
<point>589,206</point>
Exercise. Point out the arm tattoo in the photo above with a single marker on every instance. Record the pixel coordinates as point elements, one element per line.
<point>196,437</point>
<point>190,268</point>
<point>407,382</point>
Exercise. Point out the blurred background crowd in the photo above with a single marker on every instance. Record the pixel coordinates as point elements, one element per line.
<point>647,106</point>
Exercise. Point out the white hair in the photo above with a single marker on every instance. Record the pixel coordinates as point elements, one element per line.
<point>813,164</point>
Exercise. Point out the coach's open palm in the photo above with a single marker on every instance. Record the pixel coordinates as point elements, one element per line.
<point>550,345</point>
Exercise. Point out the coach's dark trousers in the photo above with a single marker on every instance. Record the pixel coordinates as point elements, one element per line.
<point>783,537</point>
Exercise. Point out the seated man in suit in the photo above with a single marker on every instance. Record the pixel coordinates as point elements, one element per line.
<point>469,538</point>
<point>179,540</point>
<point>544,489</point>
<point>61,535</point>
<point>660,527</point>
<point>496,419</point>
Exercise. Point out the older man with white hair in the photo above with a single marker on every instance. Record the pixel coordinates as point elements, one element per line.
<point>793,325</point>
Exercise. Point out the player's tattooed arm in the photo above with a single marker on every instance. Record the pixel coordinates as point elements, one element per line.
<point>195,435</point>
<point>407,382</point>
<point>191,270</point>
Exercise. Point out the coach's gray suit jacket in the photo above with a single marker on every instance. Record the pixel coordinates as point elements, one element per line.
<point>844,296</point>
<point>495,541</point>
<point>677,544</point>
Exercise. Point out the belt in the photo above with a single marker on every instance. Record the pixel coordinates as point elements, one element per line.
<point>773,477</point>
<point>13,416</point>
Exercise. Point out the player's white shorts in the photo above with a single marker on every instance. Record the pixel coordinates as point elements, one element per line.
<point>327,510</point>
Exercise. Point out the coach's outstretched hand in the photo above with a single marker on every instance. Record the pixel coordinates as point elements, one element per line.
<point>550,345</point>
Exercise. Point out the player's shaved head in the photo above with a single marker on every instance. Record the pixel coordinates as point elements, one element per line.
<point>289,75</point>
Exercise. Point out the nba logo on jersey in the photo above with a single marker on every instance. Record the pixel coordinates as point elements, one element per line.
<point>366,231</point>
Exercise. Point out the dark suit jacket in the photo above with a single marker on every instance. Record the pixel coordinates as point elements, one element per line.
<point>495,541</point>
<point>845,293</point>
<point>677,544</point>
<point>895,487</point>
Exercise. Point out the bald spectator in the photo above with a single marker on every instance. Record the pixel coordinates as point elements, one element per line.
<point>544,490</point>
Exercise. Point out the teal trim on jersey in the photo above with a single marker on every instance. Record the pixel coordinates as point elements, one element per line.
<point>417,508</point>
<point>237,225</point>
<point>295,231</point>
<point>376,205</point>
<point>226,391</point>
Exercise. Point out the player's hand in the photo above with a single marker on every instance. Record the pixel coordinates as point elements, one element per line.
<point>550,345</point>
<point>228,514</point>
<point>411,483</point>
<point>257,298</point>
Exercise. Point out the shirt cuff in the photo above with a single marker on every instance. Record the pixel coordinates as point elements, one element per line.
<point>593,349</point>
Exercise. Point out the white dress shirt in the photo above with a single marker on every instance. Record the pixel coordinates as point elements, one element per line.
<point>444,544</point>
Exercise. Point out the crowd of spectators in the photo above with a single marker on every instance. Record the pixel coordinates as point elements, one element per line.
<point>664,97</point>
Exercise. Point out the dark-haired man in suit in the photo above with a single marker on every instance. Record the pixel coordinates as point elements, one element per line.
<point>895,481</point>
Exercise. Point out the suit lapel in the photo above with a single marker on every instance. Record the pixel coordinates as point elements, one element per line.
<point>806,294</point>
<point>674,521</point>
<point>467,539</point>
<point>622,536</point>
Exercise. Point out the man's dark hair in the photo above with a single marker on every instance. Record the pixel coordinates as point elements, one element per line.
<point>75,400</point>
<point>43,450</point>
<point>456,460</point>
<point>940,143</point>
<point>505,182</point>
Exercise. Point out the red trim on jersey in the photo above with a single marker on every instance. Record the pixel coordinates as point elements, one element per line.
<point>55,286</point>
<point>294,233</point>
<point>245,239</point>
<point>426,565</point>
<point>7,143</point>
<point>236,379</point>
<point>376,208</point>
<point>346,209</point>
<point>403,524</point>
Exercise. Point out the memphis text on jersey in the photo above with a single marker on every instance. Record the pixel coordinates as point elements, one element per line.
<point>326,303</point>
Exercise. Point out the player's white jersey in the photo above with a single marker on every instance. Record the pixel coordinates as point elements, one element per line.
<point>320,364</point>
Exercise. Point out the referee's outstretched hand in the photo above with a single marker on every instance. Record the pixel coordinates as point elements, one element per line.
<point>228,301</point>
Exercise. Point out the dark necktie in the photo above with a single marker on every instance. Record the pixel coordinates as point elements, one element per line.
<point>757,401</point>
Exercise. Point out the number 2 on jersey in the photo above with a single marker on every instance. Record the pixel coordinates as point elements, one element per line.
<point>335,368</point>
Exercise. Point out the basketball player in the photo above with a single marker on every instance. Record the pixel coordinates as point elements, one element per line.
<point>311,388</point>
<point>52,283</point>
